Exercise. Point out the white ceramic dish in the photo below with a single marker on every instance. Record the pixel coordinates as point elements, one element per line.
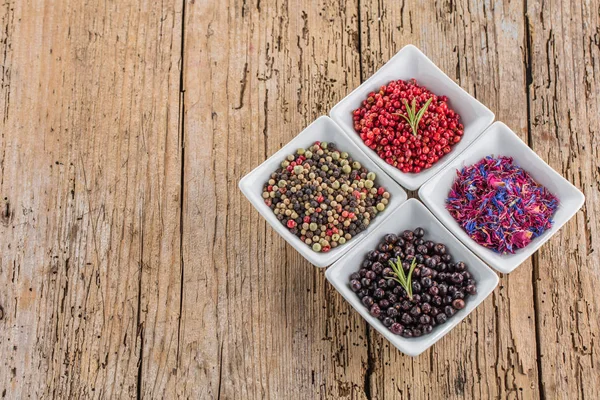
<point>325,130</point>
<point>499,140</point>
<point>411,215</point>
<point>406,64</point>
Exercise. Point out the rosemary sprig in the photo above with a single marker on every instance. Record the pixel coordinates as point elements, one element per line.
<point>414,117</point>
<point>404,280</point>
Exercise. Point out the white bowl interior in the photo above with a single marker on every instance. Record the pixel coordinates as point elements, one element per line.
<point>325,130</point>
<point>411,215</point>
<point>409,63</point>
<point>499,140</point>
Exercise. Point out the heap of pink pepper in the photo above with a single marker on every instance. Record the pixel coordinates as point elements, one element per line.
<point>499,204</point>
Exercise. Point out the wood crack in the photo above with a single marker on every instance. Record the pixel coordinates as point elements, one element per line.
<point>360,54</point>
<point>244,82</point>
<point>181,182</point>
<point>534,259</point>
<point>220,372</point>
<point>370,364</point>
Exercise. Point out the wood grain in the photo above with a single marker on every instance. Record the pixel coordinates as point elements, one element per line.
<point>90,184</point>
<point>132,266</point>
<point>258,320</point>
<point>564,105</point>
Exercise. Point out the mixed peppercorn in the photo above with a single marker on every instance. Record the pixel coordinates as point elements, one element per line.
<point>323,196</point>
<point>407,125</point>
<point>411,284</point>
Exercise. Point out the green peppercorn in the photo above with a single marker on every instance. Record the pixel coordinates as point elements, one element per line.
<point>356,165</point>
<point>313,226</point>
<point>300,151</point>
<point>290,157</point>
<point>346,169</point>
<point>335,237</point>
<point>325,168</point>
<point>342,240</point>
<point>324,145</point>
<point>368,184</point>
<point>344,154</point>
<point>371,176</point>
<point>284,164</point>
<point>308,154</point>
<point>316,247</point>
<point>335,155</point>
<point>380,206</point>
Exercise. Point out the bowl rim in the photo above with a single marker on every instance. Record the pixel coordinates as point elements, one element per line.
<point>403,344</point>
<point>321,259</point>
<point>509,262</point>
<point>411,181</point>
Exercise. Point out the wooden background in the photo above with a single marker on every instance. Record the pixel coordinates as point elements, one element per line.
<point>131,265</point>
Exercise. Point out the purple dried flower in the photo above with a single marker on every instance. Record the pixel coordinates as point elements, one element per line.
<point>499,205</point>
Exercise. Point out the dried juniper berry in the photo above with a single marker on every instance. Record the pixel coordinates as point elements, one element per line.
<point>355,284</point>
<point>438,287</point>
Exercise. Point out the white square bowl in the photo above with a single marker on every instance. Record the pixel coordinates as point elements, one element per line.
<point>499,140</point>
<point>406,64</point>
<point>410,215</point>
<point>325,130</point>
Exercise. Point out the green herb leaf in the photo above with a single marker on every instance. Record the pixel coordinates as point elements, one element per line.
<point>404,280</point>
<point>409,278</point>
<point>413,116</point>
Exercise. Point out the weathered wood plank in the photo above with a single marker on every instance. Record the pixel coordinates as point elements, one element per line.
<point>103,211</point>
<point>90,174</point>
<point>482,47</point>
<point>564,103</point>
<point>258,320</point>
